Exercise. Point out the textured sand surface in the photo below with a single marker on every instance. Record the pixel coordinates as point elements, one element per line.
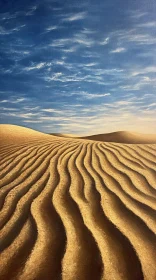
<point>76,209</point>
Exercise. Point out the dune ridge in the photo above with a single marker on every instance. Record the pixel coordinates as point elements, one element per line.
<point>125,137</point>
<point>76,209</point>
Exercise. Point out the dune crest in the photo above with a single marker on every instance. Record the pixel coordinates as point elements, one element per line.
<point>76,209</point>
<point>125,137</point>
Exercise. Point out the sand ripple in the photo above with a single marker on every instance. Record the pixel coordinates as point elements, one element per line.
<point>76,209</point>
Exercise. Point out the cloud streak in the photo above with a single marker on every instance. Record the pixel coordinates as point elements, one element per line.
<point>74,17</point>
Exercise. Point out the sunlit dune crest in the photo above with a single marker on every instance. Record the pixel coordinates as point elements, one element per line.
<point>65,135</point>
<point>76,209</point>
<point>124,137</point>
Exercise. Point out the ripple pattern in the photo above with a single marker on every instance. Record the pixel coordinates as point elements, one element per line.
<point>76,209</point>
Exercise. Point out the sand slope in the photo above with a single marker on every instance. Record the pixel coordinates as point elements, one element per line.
<point>65,135</point>
<point>76,209</point>
<point>124,137</point>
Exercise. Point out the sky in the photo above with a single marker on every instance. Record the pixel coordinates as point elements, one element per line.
<point>82,67</point>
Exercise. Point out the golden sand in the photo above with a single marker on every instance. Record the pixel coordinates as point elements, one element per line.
<point>76,209</point>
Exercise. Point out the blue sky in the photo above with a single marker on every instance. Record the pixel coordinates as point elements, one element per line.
<point>82,67</point>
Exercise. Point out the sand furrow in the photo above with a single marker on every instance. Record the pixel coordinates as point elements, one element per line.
<point>113,247</point>
<point>151,148</point>
<point>33,159</point>
<point>20,190</point>
<point>26,179</point>
<point>8,163</point>
<point>142,156</point>
<point>146,152</point>
<point>89,262</point>
<point>128,184</point>
<point>124,256</point>
<point>20,215</point>
<point>149,174</point>
<point>144,212</point>
<point>126,154</point>
<point>81,178</point>
<point>142,239</point>
<point>99,227</point>
<point>14,256</point>
<point>16,169</point>
<point>50,230</point>
<point>9,183</point>
<point>17,162</point>
<point>11,155</point>
<point>133,153</point>
<point>72,265</point>
<point>132,171</point>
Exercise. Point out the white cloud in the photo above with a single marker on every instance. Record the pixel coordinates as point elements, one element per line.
<point>70,50</point>
<point>61,42</point>
<point>4,101</point>
<point>146,70</point>
<point>14,100</point>
<point>73,42</point>
<point>82,39</point>
<point>88,31</point>
<point>22,115</point>
<point>147,24</point>
<point>134,35</point>
<point>32,121</point>
<point>90,95</point>
<point>35,66</point>
<point>75,17</point>
<point>8,109</point>
<point>137,14</point>
<point>152,105</point>
<point>49,110</point>
<point>118,50</point>
<point>52,27</point>
<point>105,41</point>
<point>4,31</point>
<point>89,64</point>
<point>31,11</point>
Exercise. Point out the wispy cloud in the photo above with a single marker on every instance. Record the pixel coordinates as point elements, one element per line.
<point>137,14</point>
<point>135,36</point>
<point>105,41</point>
<point>35,66</point>
<point>146,70</point>
<point>118,50</point>
<point>14,100</point>
<point>147,24</point>
<point>91,96</point>
<point>31,11</point>
<point>75,17</point>
<point>79,39</point>
<point>50,110</point>
<point>52,28</point>
<point>32,121</point>
<point>4,31</point>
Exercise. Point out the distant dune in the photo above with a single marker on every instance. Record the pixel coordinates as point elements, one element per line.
<point>76,209</point>
<point>124,137</point>
<point>65,135</point>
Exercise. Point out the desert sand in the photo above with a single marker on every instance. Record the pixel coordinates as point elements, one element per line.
<point>76,209</point>
<point>124,137</point>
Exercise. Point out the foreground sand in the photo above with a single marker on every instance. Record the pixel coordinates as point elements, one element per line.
<point>76,209</point>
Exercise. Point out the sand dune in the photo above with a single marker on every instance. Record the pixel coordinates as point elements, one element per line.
<point>124,137</point>
<point>66,135</point>
<point>76,209</point>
